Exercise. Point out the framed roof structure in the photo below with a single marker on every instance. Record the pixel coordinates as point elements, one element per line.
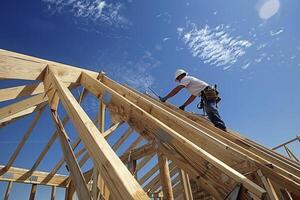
<point>182,155</point>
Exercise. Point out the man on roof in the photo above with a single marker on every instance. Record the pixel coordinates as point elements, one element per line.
<point>197,87</point>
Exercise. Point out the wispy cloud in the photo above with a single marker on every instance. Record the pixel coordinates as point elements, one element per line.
<point>96,11</point>
<point>215,46</point>
<point>135,73</point>
<point>273,33</point>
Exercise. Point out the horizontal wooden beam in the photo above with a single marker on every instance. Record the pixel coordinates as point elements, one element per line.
<point>138,153</point>
<point>14,108</point>
<point>20,91</point>
<point>37,177</point>
<point>18,66</point>
<point>21,114</point>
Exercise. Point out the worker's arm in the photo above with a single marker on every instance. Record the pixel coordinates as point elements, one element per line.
<point>172,93</point>
<point>188,102</point>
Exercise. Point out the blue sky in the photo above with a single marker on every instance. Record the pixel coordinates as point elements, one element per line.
<point>251,49</point>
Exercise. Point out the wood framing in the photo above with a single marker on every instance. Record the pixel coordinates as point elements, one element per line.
<point>70,158</point>
<point>140,148</point>
<point>124,186</point>
<point>37,177</point>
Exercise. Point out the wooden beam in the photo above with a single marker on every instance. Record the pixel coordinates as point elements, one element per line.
<point>185,182</point>
<point>138,153</point>
<point>143,162</point>
<point>14,108</point>
<point>116,146</point>
<point>165,178</point>
<point>147,175</point>
<point>290,154</point>
<point>268,186</point>
<point>227,147</point>
<point>121,183</point>
<point>33,192</point>
<point>21,114</point>
<point>54,135</point>
<point>70,192</point>
<point>18,66</point>
<point>37,177</point>
<point>8,189</point>
<point>95,190</point>
<point>62,160</point>
<point>24,139</point>
<point>20,91</point>
<point>75,172</point>
<point>113,99</point>
<point>53,192</point>
<point>111,129</point>
<point>101,117</point>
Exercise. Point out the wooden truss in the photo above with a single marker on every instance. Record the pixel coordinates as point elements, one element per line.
<point>176,155</point>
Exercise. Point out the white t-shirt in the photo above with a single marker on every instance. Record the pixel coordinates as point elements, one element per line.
<point>193,85</point>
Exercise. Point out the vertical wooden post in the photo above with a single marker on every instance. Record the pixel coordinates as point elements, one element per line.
<point>95,184</point>
<point>70,192</point>
<point>33,192</point>
<point>8,189</point>
<point>165,178</point>
<point>185,181</point>
<point>101,117</point>
<point>53,191</point>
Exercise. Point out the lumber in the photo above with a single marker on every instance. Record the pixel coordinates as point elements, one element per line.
<point>21,114</point>
<point>53,192</point>
<point>268,186</point>
<point>287,174</point>
<point>14,108</point>
<point>20,91</point>
<point>101,117</point>
<point>74,168</point>
<point>8,189</point>
<point>17,66</point>
<point>124,185</point>
<point>138,153</point>
<point>165,178</point>
<point>24,139</point>
<point>124,136</point>
<point>185,182</point>
<point>37,177</point>
<point>33,192</point>
<point>97,88</point>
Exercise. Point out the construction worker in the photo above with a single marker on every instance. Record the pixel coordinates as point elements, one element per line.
<point>197,87</point>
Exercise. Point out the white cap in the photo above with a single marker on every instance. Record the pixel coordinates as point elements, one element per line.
<point>179,72</point>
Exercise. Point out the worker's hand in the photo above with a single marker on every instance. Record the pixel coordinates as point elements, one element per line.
<point>182,107</point>
<point>162,99</point>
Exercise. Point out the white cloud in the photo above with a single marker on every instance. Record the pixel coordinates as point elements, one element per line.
<point>166,39</point>
<point>273,33</point>
<point>97,11</point>
<point>215,46</point>
<point>267,8</point>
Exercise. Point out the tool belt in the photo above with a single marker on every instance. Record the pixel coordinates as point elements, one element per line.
<point>209,94</point>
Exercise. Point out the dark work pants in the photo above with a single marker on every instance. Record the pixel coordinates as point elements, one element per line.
<point>213,114</point>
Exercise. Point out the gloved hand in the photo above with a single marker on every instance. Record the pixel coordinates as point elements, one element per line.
<point>162,99</point>
<point>182,107</point>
